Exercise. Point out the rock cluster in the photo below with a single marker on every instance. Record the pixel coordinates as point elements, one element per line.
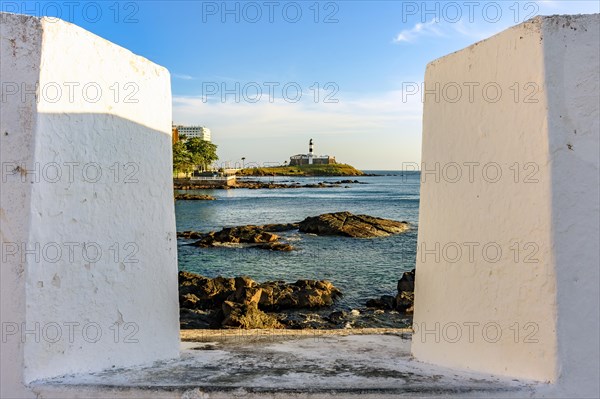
<point>241,302</point>
<point>194,197</point>
<point>258,236</point>
<point>404,299</point>
<point>263,237</point>
<point>347,224</point>
<point>255,185</point>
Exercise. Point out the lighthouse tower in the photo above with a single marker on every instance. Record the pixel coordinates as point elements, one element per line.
<point>310,152</point>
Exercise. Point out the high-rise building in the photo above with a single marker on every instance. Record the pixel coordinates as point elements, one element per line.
<point>194,131</point>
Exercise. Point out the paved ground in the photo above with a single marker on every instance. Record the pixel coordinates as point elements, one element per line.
<point>273,365</point>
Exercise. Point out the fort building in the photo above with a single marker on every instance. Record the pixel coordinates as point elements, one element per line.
<point>310,158</point>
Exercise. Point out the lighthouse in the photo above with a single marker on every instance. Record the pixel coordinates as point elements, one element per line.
<point>310,152</point>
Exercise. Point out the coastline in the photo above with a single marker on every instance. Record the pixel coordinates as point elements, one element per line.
<point>187,184</point>
<point>311,256</point>
<point>328,170</point>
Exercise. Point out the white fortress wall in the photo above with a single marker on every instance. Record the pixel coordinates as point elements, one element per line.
<point>101,272</point>
<point>572,60</point>
<point>513,284</point>
<point>19,64</point>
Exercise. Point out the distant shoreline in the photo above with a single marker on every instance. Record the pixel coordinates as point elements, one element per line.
<point>187,184</point>
<point>303,170</point>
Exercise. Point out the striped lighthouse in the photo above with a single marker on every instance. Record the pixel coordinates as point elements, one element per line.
<point>310,152</point>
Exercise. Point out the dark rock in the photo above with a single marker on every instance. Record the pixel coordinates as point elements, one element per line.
<point>338,317</point>
<point>240,302</point>
<point>405,301</point>
<point>206,291</point>
<point>244,234</point>
<point>276,246</point>
<point>278,227</point>
<point>303,321</point>
<point>247,295</point>
<point>236,235</point>
<point>278,295</point>
<point>244,281</point>
<point>194,197</point>
<point>238,315</point>
<point>189,301</point>
<point>199,319</point>
<point>386,302</point>
<point>190,235</point>
<point>407,282</point>
<point>347,224</point>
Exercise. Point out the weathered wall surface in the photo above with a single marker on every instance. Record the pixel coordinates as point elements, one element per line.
<point>572,60</point>
<point>19,62</point>
<point>93,265</point>
<point>507,263</point>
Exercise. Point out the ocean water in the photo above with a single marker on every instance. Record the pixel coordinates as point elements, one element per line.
<point>361,268</point>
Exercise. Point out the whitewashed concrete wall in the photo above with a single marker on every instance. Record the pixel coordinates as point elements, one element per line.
<point>89,261</point>
<point>17,126</point>
<point>528,187</point>
<point>572,62</point>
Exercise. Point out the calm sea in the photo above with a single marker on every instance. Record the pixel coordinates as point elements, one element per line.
<point>361,268</point>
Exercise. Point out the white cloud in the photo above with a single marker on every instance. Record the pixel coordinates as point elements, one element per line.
<point>182,76</point>
<point>374,131</point>
<point>429,28</point>
<point>450,30</point>
<point>479,24</point>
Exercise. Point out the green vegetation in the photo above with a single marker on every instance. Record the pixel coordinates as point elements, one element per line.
<point>195,152</point>
<point>337,169</point>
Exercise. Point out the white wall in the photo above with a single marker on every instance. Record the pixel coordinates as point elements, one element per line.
<point>547,214</point>
<point>18,119</point>
<point>572,60</point>
<point>128,293</point>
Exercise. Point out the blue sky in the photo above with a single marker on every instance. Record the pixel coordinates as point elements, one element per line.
<point>343,65</point>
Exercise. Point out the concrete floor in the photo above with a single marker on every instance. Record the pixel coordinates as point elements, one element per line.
<point>288,366</point>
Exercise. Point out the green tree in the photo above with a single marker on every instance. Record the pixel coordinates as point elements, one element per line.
<point>182,159</point>
<point>202,153</point>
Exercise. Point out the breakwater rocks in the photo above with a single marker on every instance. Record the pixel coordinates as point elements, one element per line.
<point>242,302</point>
<point>194,197</point>
<point>264,237</point>
<point>255,185</point>
<point>404,299</point>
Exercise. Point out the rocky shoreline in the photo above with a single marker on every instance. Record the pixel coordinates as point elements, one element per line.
<point>242,303</point>
<point>194,197</point>
<point>255,185</point>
